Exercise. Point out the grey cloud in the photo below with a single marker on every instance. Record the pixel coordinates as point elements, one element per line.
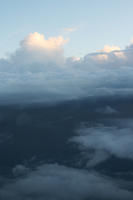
<point>20,170</point>
<point>116,140</point>
<point>96,157</point>
<point>55,182</point>
<point>106,110</point>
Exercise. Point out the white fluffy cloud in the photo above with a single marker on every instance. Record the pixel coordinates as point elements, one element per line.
<point>37,40</point>
<point>35,49</point>
<point>39,68</point>
<point>56,182</point>
<point>108,49</point>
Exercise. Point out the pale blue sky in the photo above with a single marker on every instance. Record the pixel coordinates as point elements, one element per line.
<point>98,22</point>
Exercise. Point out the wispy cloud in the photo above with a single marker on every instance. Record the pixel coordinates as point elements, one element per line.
<point>70,29</point>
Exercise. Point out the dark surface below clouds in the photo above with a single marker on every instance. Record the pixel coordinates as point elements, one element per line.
<point>80,149</point>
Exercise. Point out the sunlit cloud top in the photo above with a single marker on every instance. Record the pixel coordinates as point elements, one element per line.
<point>108,48</point>
<point>37,40</point>
<point>39,66</point>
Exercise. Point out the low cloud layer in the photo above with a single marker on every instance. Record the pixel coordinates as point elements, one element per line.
<point>101,142</point>
<point>39,68</point>
<point>56,182</point>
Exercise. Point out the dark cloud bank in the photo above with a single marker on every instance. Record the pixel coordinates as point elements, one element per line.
<point>66,124</point>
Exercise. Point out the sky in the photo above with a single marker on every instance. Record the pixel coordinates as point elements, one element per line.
<point>89,25</point>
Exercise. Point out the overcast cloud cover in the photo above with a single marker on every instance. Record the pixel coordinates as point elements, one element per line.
<point>40,67</point>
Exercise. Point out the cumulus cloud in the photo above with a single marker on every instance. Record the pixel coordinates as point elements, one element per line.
<point>105,141</point>
<point>39,69</point>
<point>53,181</point>
<point>37,40</point>
<point>110,54</point>
<point>35,49</point>
<point>108,49</point>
